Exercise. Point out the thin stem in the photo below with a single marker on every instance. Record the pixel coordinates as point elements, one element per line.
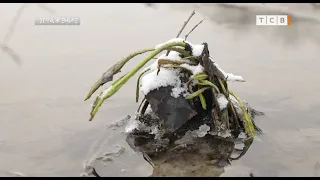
<point>208,83</point>
<point>185,38</point>
<point>114,70</point>
<point>183,26</point>
<point>138,83</point>
<point>186,22</point>
<point>177,66</point>
<point>143,100</point>
<point>248,125</point>
<point>115,87</point>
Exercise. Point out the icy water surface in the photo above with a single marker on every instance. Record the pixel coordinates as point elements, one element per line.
<point>44,127</point>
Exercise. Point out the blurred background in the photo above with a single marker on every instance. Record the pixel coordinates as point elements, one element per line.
<point>44,127</point>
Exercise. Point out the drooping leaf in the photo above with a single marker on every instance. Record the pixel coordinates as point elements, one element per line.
<point>203,101</point>
<point>108,75</point>
<point>200,76</point>
<point>116,86</point>
<point>208,83</point>
<point>248,124</point>
<point>138,83</point>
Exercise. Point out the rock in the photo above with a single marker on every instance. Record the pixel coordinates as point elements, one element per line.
<point>173,111</point>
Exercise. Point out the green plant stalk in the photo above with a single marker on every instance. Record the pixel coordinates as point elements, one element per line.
<point>118,79</point>
<point>231,104</point>
<point>189,58</point>
<point>200,76</point>
<point>178,66</point>
<point>208,83</point>
<point>234,114</point>
<point>223,88</point>
<point>179,50</point>
<point>203,101</point>
<point>123,80</point>
<point>115,69</point>
<point>96,100</point>
<point>138,83</point>
<point>197,93</point>
<point>248,125</point>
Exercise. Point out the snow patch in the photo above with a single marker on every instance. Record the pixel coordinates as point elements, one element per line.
<point>229,76</point>
<point>168,42</point>
<point>203,130</point>
<point>194,69</point>
<point>235,104</point>
<point>177,91</point>
<point>132,125</point>
<point>171,77</point>
<point>225,134</point>
<point>222,100</point>
<point>198,69</point>
<point>232,77</point>
<point>166,77</point>
<point>197,50</point>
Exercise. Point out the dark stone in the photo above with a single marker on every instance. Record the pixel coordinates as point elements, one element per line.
<point>174,112</point>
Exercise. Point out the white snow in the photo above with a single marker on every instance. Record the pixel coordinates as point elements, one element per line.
<point>198,69</point>
<point>203,130</point>
<point>223,72</point>
<point>148,110</point>
<point>132,125</point>
<point>232,77</point>
<point>225,134</point>
<point>242,135</point>
<point>195,69</point>
<point>188,66</point>
<point>166,77</point>
<point>171,77</point>
<point>235,104</point>
<point>222,100</point>
<point>170,41</point>
<point>173,55</point>
<point>197,50</point>
<point>177,91</point>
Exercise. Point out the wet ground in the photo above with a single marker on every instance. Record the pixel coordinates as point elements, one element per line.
<point>44,127</point>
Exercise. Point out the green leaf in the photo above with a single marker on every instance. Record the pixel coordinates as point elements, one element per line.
<point>108,75</point>
<point>208,83</point>
<point>197,93</point>
<point>138,83</point>
<point>248,125</point>
<point>203,101</point>
<point>116,86</point>
<point>200,76</point>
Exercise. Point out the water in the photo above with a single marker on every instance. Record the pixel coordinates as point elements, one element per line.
<point>44,127</point>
